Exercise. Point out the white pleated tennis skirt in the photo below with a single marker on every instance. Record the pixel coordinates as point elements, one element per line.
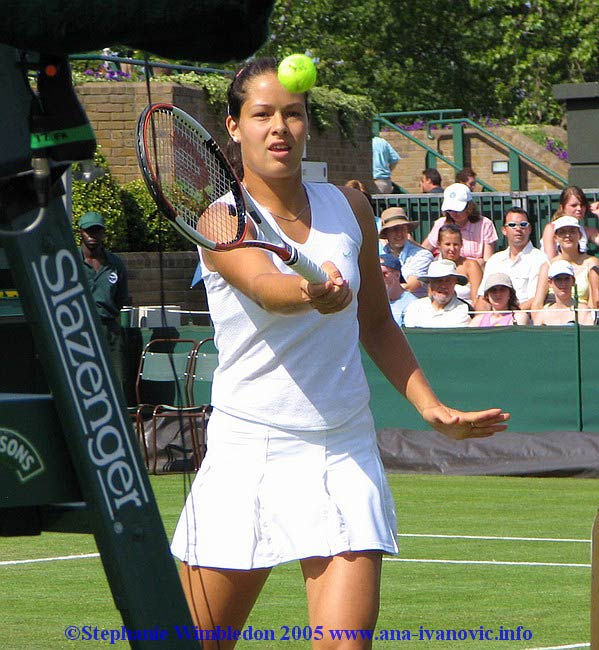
<point>264,496</point>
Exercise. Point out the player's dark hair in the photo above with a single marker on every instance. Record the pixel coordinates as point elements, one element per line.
<point>236,96</point>
<point>237,90</point>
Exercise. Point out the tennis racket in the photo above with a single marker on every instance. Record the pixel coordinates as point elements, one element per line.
<point>195,187</point>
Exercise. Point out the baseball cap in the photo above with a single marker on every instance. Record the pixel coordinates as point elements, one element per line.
<point>564,222</point>
<point>443,269</point>
<point>456,197</point>
<point>498,280</point>
<point>396,217</point>
<point>390,261</point>
<point>90,219</point>
<point>561,267</point>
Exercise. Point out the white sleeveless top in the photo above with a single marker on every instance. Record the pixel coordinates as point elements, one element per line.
<point>464,292</point>
<point>303,371</point>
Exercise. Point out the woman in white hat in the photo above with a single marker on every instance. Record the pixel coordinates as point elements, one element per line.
<point>562,311</point>
<point>568,233</point>
<point>572,203</point>
<point>505,310</point>
<point>478,233</point>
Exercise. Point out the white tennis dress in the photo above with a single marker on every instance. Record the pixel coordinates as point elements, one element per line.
<point>292,468</point>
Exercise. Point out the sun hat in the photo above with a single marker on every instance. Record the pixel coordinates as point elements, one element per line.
<point>564,222</point>
<point>443,269</point>
<point>90,219</point>
<point>498,280</point>
<point>396,217</point>
<point>390,261</point>
<point>456,197</point>
<point>560,267</point>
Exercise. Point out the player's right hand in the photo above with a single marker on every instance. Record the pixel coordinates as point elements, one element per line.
<point>331,296</point>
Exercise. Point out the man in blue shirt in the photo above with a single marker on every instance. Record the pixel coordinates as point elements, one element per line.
<point>399,298</point>
<point>414,259</point>
<point>384,159</point>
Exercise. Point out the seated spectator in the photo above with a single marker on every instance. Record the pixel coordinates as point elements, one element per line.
<point>430,181</point>
<point>414,259</point>
<point>561,279</point>
<point>520,260</point>
<point>450,246</point>
<point>568,234</point>
<point>384,161</point>
<point>399,298</point>
<point>500,294</point>
<point>441,308</point>
<point>572,203</point>
<point>467,176</point>
<point>478,232</point>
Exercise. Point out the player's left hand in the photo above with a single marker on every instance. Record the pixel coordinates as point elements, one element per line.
<point>460,425</point>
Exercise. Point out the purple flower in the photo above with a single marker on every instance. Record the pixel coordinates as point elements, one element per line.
<point>556,148</point>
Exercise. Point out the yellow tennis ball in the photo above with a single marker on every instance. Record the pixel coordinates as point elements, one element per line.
<point>297,73</point>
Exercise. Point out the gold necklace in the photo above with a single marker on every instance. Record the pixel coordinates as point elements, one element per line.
<point>297,216</point>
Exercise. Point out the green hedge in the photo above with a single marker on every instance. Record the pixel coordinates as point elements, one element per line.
<point>133,223</point>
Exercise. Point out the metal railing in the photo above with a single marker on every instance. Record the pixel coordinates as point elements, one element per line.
<point>142,63</point>
<point>383,121</point>
<point>426,208</point>
<point>515,155</point>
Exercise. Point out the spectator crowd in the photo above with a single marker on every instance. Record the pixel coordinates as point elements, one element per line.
<point>455,277</point>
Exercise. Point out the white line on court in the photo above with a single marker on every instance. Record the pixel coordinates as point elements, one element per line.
<point>508,539</point>
<point>387,559</point>
<point>492,562</point>
<point>562,647</point>
<point>50,559</point>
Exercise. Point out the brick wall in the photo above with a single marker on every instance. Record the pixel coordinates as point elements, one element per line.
<point>480,152</point>
<point>113,109</point>
<point>177,271</point>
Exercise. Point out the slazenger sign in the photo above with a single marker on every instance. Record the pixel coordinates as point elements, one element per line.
<point>18,452</point>
<point>91,386</point>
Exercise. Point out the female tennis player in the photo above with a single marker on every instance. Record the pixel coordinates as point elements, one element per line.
<point>292,470</point>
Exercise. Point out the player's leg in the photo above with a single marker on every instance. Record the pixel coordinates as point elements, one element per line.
<point>221,597</point>
<point>343,594</point>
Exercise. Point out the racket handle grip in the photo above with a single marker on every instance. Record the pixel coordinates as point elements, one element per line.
<point>306,268</point>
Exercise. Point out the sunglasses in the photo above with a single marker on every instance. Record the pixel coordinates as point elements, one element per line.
<point>515,224</point>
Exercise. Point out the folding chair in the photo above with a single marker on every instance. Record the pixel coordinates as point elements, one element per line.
<point>199,389</point>
<point>161,381</point>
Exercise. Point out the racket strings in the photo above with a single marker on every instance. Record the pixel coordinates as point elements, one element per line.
<point>194,181</point>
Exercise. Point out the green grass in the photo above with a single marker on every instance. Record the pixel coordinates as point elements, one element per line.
<point>40,599</point>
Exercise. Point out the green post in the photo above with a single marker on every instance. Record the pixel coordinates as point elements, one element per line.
<point>515,171</point>
<point>430,160</point>
<point>459,156</point>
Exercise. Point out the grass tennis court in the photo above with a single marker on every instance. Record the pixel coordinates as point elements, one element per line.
<point>498,584</point>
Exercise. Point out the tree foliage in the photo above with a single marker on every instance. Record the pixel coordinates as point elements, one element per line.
<point>499,58</point>
<point>534,45</point>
